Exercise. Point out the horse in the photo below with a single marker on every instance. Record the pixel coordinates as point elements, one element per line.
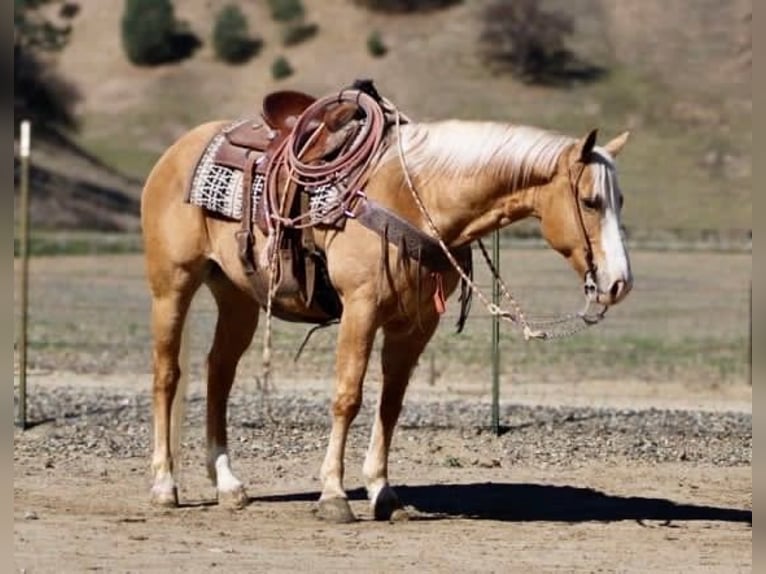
<point>455,180</point>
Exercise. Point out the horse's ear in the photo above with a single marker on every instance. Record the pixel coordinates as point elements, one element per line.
<point>585,146</point>
<point>615,145</point>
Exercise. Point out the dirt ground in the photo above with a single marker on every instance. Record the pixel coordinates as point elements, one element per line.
<point>76,510</point>
<point>623,452</point>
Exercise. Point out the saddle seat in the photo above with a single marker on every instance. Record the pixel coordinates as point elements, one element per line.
<point>281,109</point>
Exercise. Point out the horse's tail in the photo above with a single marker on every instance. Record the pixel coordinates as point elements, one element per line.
<point>178,409</point>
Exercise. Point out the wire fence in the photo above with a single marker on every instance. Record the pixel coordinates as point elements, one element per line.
<point>90,314</point>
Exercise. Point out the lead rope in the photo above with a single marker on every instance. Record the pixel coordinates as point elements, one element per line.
<point>349,171</point>
<point>516,316</point>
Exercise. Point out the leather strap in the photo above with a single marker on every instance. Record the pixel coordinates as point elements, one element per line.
<point>309,247</point>
<point>244,235</point>
<point>401,232</point>
<point>421,247</point>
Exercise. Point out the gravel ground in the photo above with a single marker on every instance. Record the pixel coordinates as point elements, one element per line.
<point>617,490</point>
<point>71,421</point>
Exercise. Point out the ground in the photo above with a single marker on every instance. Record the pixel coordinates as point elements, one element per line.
<point>627,448</point>
<point>658,487</point>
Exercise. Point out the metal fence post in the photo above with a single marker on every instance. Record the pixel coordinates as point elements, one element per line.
<point>24,255</point>
<point>496,338</point>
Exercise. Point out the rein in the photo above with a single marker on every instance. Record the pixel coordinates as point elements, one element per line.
<point>516,314</point>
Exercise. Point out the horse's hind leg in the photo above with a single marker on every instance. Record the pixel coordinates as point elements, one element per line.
<point>237,320</point>
<point>402,346</point>
<point>172,292</point>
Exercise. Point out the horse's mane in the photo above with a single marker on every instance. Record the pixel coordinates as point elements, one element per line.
<point>455,148</point>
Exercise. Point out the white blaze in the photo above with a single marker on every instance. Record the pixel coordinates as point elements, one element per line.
<point>616,265</point>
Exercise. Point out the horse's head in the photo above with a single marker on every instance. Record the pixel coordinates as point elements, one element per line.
<point>580,217</point>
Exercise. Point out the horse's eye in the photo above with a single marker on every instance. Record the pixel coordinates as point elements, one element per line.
<point>593,203</point>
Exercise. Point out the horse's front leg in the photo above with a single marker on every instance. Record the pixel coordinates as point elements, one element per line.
<point>403,344</point>
<point>355,337</point>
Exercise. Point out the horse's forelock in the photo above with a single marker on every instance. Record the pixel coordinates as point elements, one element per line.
<point>604,172</point>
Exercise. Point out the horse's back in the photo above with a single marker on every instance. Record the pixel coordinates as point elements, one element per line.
<point>175,167</point>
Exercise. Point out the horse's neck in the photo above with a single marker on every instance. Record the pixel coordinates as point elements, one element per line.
<point>475,177</point>
<point>469,207</point>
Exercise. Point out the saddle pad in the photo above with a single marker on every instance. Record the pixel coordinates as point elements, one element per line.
<point>218,188</point>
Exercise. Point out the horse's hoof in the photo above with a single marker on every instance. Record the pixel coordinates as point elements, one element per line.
<point>399,515</point>
<point>336,510</point>
<point>235,499</point>
<point>387,505</point>
<point>165,498</point>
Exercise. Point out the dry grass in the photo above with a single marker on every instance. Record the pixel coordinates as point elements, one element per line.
<point>682,89</point>
<point>685,322</point>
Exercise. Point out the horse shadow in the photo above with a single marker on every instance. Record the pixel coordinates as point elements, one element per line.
<point>525,502</point>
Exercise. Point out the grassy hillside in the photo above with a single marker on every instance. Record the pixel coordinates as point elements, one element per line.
<point>678,78</point>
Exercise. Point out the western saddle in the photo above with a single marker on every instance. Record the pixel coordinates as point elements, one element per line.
<point>318,132</point>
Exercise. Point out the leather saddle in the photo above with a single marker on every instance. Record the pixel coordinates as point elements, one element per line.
<point>280,111</point>
<point>249,146</point>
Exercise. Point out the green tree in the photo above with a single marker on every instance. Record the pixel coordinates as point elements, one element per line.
<point>40,94</point>
<point>281,68</point>
<point>231,39</point>
<point>149,32</point>
<point>37,31</point>
<point>286,10</point>
<point>375,45</point>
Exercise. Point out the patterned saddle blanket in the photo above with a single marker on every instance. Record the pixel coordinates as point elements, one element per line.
<point>220,188</point>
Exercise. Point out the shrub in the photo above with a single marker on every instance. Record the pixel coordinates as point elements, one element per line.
<point>375,45</point>
<point>231,40</point>
<point>40,93</point>
<point>297,32</point>
<point>396,6</point>
<point>281,68</point>
<point>531,42</point>
<point>286,10</point>
<point>148,28</point>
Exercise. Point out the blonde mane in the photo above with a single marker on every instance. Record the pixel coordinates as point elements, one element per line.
<point>457,148</point>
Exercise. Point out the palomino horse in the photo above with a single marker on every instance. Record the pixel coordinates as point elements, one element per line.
<point>471,178</point>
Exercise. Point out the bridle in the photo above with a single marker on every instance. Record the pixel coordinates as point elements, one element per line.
<point>590,286</point>
<point>516,315</point>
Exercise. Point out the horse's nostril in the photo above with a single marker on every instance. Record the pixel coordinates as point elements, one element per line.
<point>616,289</point>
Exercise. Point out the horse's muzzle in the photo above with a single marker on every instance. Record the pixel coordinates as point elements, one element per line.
<point>616,293</point>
